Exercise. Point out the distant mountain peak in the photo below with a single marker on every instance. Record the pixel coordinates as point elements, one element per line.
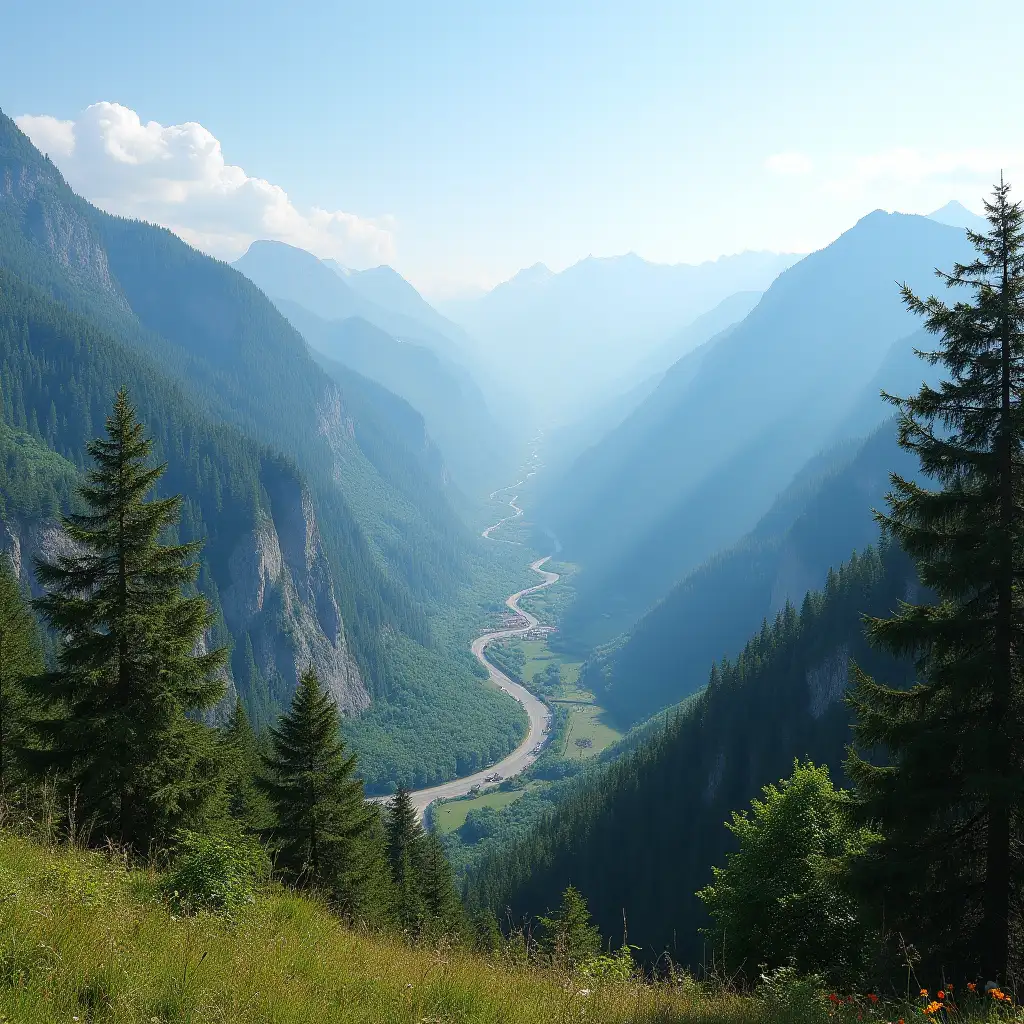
<point>958,216</point>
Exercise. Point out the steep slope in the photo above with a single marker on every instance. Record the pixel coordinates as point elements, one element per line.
<point>819,519</point>
<point>696,465</point>
<point>590,328</point>
<point>639,839</point>
<point>454,411</point>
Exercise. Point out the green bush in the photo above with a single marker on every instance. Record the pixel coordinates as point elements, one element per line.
<point>216,872</point>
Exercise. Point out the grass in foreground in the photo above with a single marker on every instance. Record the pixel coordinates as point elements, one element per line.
<point>83,939</point>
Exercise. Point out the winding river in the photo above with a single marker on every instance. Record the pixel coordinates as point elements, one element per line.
<point>523,756</point>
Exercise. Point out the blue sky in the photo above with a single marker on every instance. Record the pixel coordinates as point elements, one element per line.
<point>461,141</point>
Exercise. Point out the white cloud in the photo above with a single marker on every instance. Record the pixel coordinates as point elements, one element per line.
<point>789,164</point>
<point>177,176</point>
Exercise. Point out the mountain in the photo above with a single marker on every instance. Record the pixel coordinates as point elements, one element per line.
<point>700,461</point>
<point>823,515</point>
<point>343,470</point>
<point>569,340</point>
<point>958,216</point>
<point>286,272</point>
<point>388,290</point>
<point>454,410</point>
<point>639,837</point>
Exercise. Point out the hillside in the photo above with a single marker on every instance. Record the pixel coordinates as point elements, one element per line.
<point>641,836</point>
<point>89,940</point>
<point>700,461</point>
<point>347,466</point>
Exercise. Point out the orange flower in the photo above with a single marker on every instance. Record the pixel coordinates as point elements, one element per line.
<point>933,1007</point>
<point>941,994</point>
<point>873,997</point>
<point>833,997</point>
<point>924,993</point>
<point>971,986</point>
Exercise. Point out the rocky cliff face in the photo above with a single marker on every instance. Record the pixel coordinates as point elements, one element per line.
<point>281,592</point>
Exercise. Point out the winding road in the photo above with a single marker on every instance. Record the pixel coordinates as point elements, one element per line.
<point>522,757</point>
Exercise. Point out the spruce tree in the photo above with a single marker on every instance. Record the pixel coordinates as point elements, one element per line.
<point>406,842</point>
<point>245,803</point>
<point>20,658</point>
<point>569,936</point>
<point>950,801</point>
<point>441,904</point>
<point>131,663</point>
<point>322,823</point>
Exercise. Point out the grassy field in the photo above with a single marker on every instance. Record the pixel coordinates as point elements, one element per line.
<point>539,656</point>
<point>83,939</point>
<point>586,723</point>
<point>452,815</point>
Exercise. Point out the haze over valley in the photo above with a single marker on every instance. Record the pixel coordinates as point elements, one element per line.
<point>449,472</point>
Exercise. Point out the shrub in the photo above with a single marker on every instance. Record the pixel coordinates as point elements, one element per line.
<point>217,872</point>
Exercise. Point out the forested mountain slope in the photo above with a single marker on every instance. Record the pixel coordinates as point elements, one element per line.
<point>815,524</point>
<point>696,466</point>
<point>370,486</point>
<point>453,409</point>
<point>639,839</point>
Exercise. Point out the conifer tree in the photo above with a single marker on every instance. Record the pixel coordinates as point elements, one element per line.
<point>569,936</point>
<point>128,672</point>
<point>245,803</point>
<point>950,801</point>
<point>406,843</point>
<point>441,904</point>
<point>322,822</point>
<point>20,658</point>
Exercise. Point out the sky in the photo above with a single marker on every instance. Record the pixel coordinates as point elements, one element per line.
<point>462,141</point>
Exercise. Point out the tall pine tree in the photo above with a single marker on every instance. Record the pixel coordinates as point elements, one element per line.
<point>131,662</point>
<point>950,801</point>
<point>322,825</point>
<point>20,658</point>
<point>240,752</point>
<point>406,846</point>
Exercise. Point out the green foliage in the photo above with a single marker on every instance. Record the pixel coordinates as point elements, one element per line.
<point>322,823</point>
<point>20,658</point>
<point>950,799</point>
<point>406,846</point>
<point>607,967</point>
<point>246,804</point>
<point>215,871</point>
<point>114,723</point>
<point>781,900</point>
<point>568,936</point>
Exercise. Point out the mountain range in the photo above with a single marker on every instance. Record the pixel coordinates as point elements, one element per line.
<point>568,341</point>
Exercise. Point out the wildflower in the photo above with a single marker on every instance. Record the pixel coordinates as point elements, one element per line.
<point>941,994</point>
<point>833,997</point>
<point>924,993</point>
<point>933,1007</point>
<point>872,997</point>
<point>971,986</point>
